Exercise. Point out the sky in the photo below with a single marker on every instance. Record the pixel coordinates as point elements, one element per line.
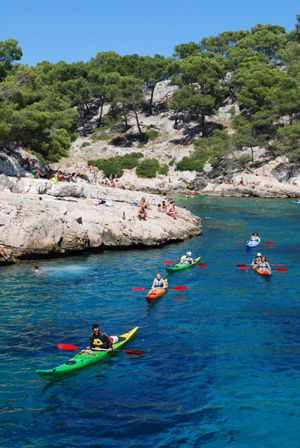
<point>77,30</point>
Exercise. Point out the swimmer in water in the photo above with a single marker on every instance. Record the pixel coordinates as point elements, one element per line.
<point>37,271</point>
<point>208,217</point>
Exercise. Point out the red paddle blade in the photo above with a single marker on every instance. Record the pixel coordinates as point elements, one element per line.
<point>202,264</point>
<point>269,242</point>
<point>68,347</point>
<point>240,241</point>
<point>137,288</point>
<point>134,352</point>
<point>240,264</point>
<point>169,262</point>
<point>179,288</point>
<point>278,265</point>
<point>281,269</point>
<point>244,267</point>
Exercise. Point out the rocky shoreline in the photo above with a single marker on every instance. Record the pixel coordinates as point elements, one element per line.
<point>37,221</point>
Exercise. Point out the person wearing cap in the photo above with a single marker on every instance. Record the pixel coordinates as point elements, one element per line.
<point>187,259</point>
<point>256,260</point>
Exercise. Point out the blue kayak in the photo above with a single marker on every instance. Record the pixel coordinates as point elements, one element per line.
<point>252,244</point>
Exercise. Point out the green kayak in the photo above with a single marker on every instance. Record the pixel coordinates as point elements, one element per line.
<point>196,197</point>
<point>181,266</point>
<point>83,359</point>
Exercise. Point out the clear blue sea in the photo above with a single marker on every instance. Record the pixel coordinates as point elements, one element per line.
<point>222,359</point>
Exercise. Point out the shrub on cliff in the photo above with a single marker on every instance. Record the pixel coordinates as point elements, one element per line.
<point>147,168</point>
<point>116,165</point>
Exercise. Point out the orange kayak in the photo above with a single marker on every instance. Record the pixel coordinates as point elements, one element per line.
<point>155,293</point>
<point>266,272</point>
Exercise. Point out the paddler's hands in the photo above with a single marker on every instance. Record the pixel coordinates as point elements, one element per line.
<point>88,348</point>
<point>109,349</point>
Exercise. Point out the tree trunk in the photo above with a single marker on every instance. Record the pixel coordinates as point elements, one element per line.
<point>176,119</point>
<point>151,98</point>
<point>101,112</point>
<point>252,152</point>
<point>138,123</point>
<point>204,134</point>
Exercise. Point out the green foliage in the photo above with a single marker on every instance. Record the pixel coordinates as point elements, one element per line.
<point>116,165</point>
<point>147,168</point>
<point>190,164</point>
<point>171,163</point>
<point>150,135</point>
<point>141,145</point>
<point>84,144</point>
<point>163,170</point>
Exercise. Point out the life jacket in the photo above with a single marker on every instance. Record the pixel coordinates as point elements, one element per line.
<point>158,283</point>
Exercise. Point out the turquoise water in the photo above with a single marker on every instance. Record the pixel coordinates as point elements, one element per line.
<point>221,364</point>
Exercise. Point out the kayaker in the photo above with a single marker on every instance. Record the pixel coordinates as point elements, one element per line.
<point>187,259</point>
<point>254,237</point>
<point>99,340</point>
<point>159,282</point>
<point>263,264</point>
<point>256,260</point>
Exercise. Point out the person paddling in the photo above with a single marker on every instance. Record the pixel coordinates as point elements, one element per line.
<point>159,282</point>
<point>256,260</point>
<point>187,259</point>
<point>99,340</point>
<point>255,238</point>
<point>263,264</point>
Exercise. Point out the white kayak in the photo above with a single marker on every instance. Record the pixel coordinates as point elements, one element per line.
<point>252,244</point>
<point>298,202</point>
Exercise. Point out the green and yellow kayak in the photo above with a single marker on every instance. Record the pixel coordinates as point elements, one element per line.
<point>181,266</point>
<point>83,359</point>
<point>195,197</point>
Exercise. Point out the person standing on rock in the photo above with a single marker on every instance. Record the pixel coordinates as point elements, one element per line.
<point>91,175</point>
<point>96,171</point>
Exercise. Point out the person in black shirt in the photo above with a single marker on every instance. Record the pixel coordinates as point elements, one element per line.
<point>99,340</point>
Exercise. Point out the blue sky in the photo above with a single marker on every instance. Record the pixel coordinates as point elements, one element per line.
<point>76,30</point>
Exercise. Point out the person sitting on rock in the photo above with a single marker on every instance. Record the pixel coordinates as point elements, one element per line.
<point>142,213</point>
<point>60,176</point>
<point>164,197</point>
<point>159,209</point>
<point>116,178</point>
<point>33,170</point>
<point>25,163</point>
<point>163,206</point>
<point>145,203</point>
<point>4,254</point>
<point>112,184</point>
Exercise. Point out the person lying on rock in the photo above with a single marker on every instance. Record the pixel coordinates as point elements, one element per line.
<point>142,213</point>
<point>4,254</point>
<point>99,340</point>
<point>158,282</point>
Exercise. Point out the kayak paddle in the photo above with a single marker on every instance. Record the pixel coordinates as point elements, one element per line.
<point>281,269</point>
<point>244,267</point>
<point>269,242</point>
<point>169,262</point>
<point>177,288</point>
<point>242,264</point>
<point>74,347</point>
<point>240,241</point>
<point>201,264</point>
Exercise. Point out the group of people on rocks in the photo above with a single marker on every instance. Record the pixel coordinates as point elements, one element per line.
<point>94,174</point>
<point>166,206</point>
<point>50,174</point>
